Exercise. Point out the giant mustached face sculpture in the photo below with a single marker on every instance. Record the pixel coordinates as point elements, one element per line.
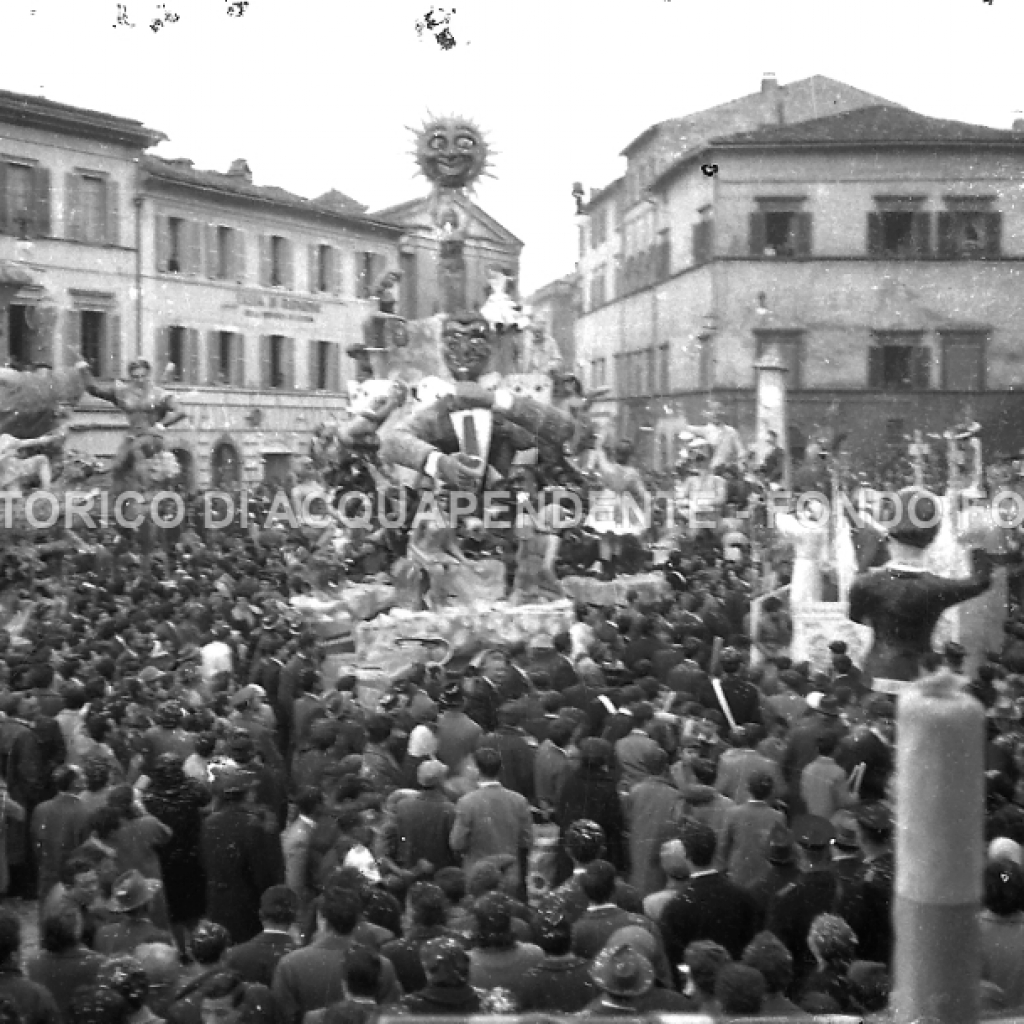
<point>451,152</point>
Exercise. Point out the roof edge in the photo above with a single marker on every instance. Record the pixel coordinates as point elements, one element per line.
<point>76,121</point>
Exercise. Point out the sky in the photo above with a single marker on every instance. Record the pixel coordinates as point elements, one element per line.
<point>320,94</point>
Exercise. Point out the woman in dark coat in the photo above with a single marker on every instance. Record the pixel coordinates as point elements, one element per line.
<point>591,792</point>
<point>177,800</point>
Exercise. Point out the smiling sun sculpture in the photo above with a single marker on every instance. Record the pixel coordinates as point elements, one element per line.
<point>452,152</point>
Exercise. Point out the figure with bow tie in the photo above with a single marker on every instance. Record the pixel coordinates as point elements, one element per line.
<point>467,437</point>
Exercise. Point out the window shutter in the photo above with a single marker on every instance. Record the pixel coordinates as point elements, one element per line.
<point>876,366</point>
<point>334,270</point>
<point>288,264</point>
<point>193,247</point>
<point>113,211</point>
<point>312,276</point>
<point>758,234</point>
<point>362,290</point>
<point>212,249</point>
<point>921,227</point>
<point>190,371</point>
<point>163,243</point>
<point>45,340</point>
<point>289,364</point>
<point>161,351</point>
<point>238,360</point>
<point>72,348</point>
<point>804,224</point>
<point>4,227</point>
<point>238,244</point>
<point>994,235</point>
<point>314,350</point>
<point>947,246</point>
<point>921,367</point>
<point>334,367</point>
<point>874,234</point>
<point>213,357</point>
<point>72,208</point>
<point>112,349</point>
<point>266,261</point>
<point>265,366</point>
<point>42,202</point>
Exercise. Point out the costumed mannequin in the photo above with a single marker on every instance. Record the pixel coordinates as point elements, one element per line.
<point>150,411</point>
<point>611,516</point>
<point>726,446</point>
<point>535,581</point>
<point>468,434</point>
<point>14,469</point>
<point>808,533</point>
<point>703,494</point>
<point>902,601</point>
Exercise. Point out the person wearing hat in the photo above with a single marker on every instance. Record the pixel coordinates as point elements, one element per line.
<point>131,900</point>
<point>166,736</point>
<point>448,992</point>
<point>423,823</point>
<point>847,859</point>
<point>902,602</point>
<point>241,858</point>
<point>817,891</point>
<point>257,959</point>
<point>624,977</point>
<point>652,807</point>
<point>867,755</point>
<point>162,965</point>
<point>783,868</point>
<point>868,907</point>
<point>676,869</point>
<point>823,716</point>
<point>458,736</point>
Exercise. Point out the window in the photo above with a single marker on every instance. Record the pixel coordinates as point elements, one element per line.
<point>278,259</point>
<point>899,229</point>
<point>963,360</point>
<point>598,228</point>
<point>599,373</point>
<point>225,256</point>
<point>225,355</point>
<point>369,270</point>
<point>176,245</point>
<point>970,230</point>
<point>706,363</point>
<point>224,345</point>
<point>324,269</point>
<point>597,288</point>
<point>702,239</point>
<point>664,260</point>
<point>24,199</point>
<point>91,208</point>
<point>92,341</point>
<point>177,347</point>
<point>788,345</point>
<point>325,366</point>
<point>277,365</point>
<point>19,338</point>
<point>898,361</point>
<point>780,230</point>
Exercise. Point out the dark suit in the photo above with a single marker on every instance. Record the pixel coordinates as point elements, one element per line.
<point>528,424</point>
<point>242,860</point>
<point>709,907</point>
<point>902,606</point>
<point>58,827</point>
<point>818,891</point>
<point>257,959</point>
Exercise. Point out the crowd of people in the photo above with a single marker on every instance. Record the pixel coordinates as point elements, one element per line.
<point>650,813</point>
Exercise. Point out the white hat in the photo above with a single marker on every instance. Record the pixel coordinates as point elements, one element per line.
<point>1004,848</point>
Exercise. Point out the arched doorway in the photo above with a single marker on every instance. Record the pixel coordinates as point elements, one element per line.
<point>225,467</point>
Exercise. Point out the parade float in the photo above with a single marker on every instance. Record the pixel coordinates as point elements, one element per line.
<point>450,468</point>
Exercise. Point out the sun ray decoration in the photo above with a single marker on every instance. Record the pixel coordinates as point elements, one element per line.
<point>451,152</point>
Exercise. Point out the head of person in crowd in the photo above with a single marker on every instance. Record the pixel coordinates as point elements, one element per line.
<point>97,1004</point>
<point>869,986</point>
<point>223,999</point>
<point>79,877</point>
<point>279,908</point>
<point>768,955</point>
<point>488,762</point>
<point>492,916</point>
<point>426,907</point>
<point>703,961</point>
<point>700,843</point>
<point>162,964</point>
<point>832,941</point>
<point>622,974</point>
<point>127,977</point>
<point>208,943</point>
<point>61,928</point>
<point>445,962</point>
<point>598,882</point>
<point>740,990</point>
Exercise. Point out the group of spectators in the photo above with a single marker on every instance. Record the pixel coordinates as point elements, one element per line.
<point>630,818</point>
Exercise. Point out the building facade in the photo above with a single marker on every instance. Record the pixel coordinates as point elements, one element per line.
<point>878,252</point>
<point>245,299</point>
<point>557,305</point>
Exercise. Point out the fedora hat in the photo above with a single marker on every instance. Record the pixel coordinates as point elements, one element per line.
<point>132,891</point>
<point>622,971</point>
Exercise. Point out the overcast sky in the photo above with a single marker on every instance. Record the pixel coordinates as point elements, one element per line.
<point>319,93</point>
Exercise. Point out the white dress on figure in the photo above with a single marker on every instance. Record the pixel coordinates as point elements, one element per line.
<point>809,541</point>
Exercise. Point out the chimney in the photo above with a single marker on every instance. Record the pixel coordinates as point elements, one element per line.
<point>773,107</point>
<point>240,169</point>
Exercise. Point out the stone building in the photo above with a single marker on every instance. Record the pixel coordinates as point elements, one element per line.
<point>556,305</point>
<point>245,298</point>
<point>877,251</point>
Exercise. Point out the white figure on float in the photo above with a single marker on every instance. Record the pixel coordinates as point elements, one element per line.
<point>726,446</point>
<point>807,531</point>
<point>500,310</point>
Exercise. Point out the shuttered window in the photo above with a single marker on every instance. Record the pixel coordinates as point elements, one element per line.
<point>970,234</point>
<point>899,234</point>
<point>325,366</point>
<point>180,245</point>
<point>225,256</point>
<point>24,199</point>
<point>963,360</point>
<point>369,269</point>
<point>324,263</point>
<point>780,230</point>
<point>92,208</point>
<point>277,362</point>
<point>899,361</point>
